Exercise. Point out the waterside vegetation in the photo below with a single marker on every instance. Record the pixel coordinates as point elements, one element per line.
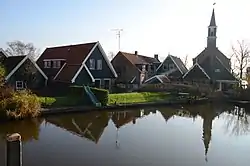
<point>17,104</point>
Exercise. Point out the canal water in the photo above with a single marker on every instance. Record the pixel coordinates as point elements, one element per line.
<point>204,135</point>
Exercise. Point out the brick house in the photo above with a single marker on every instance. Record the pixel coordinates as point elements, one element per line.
<point>133,69</point>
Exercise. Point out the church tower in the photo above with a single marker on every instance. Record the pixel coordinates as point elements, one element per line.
<point>212,29</point>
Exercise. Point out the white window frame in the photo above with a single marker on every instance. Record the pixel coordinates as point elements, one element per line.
<point>47,64</point>
<point>19,87</point>
<point>92,64</point>
<point>56,64</point>
<point>99,64</point>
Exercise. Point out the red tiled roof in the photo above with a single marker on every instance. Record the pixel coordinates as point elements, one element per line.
<point>68,72</point>
<point>139,59</point>
<point>74,54</point>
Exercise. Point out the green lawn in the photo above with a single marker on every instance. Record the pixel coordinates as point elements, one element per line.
<point>126,98</point>
<point>120,98</point>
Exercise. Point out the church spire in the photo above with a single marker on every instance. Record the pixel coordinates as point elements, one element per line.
<point>212,21</point>
<point>212,29</point>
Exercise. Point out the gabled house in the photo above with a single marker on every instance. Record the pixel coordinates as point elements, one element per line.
<point>134,69</point>
<point>81,64</point>
<point>22,72</point>
<point>211,65</point>
<point>172,67</point>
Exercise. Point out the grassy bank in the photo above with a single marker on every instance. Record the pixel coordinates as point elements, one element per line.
<point>121,98</point>
<point>127,98</point>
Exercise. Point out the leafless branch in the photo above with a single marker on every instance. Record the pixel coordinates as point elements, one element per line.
<point>241,55</point>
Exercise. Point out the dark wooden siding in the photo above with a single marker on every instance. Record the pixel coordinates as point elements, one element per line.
<point>125,70</point>
<point>83,78</point>
<point>195,74</point>
<point>106,71</point>
<point>37,83</point>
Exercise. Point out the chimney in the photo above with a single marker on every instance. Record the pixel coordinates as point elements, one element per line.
<point>136,52</point>
<point>156,56</point>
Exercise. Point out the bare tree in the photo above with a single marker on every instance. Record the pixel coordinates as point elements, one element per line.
<point>241,55</point>
<point>111,55</point>
<point>186,60</point>
<point>28,70</point>
<point>18,48</point>
<point>237,122</point>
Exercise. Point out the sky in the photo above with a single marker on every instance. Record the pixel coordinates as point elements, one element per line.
<point>178,27</point>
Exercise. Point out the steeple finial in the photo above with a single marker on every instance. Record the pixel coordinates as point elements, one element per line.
<point>212,21</point>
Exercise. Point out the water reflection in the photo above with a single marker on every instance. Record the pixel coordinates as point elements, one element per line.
<point>92,125</point>
<point>89,125</point>
<point>151,136</point>
<point>29,129</point>
<point>237,121</point>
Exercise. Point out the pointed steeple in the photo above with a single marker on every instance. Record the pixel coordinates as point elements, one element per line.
<point>212,30</point>
<point>212,21</point>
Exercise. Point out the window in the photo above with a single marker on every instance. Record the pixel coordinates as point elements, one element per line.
<point>47,64</point>
<point>217,70</point>
<point>99,64</point>
<point>19,85</point>
<point>171,66</point>
<point>143,67</point>
<point>92,64</point>
<point>56,64</point>
<point>165,67</point>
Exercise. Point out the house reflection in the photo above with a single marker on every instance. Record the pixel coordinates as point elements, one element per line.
<point>122,118</point>
<point>89,125</point>
<point>92,125</point>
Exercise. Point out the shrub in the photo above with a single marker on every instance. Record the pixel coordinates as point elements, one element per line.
<point>20,104</point>
<point>23,104</point>
<point>102,95</point>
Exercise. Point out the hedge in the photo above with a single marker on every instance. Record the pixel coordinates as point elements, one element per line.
<point>101,94</point>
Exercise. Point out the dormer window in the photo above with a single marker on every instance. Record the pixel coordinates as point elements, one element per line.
<point>47,64</point>
<point>56,64</point>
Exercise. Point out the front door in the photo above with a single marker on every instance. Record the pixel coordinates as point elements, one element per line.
<point>106,84</point>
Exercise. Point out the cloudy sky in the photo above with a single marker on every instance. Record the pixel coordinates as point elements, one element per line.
<point>178,27</point>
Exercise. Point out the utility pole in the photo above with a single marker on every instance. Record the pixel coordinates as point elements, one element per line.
<point>118,33</point>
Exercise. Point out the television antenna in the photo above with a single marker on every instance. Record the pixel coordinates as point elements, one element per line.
<point>118,33</point>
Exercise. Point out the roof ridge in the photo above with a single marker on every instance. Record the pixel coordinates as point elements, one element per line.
<point>79,44</point>
<point>136,54</point>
